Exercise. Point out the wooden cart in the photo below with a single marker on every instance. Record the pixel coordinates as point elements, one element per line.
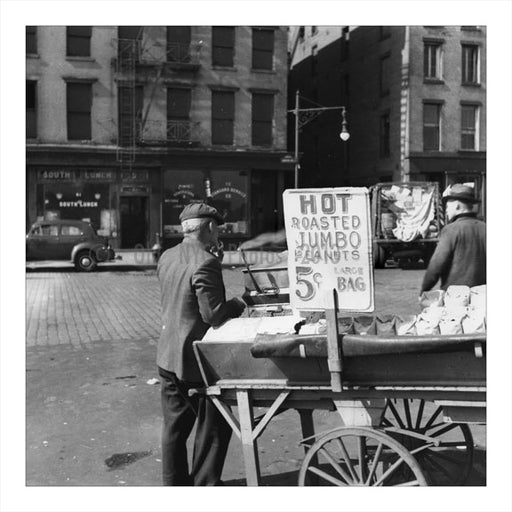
<point>405,402</point>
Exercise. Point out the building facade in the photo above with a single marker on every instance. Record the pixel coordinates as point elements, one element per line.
<point>415,98</point>
<point>126,125</point>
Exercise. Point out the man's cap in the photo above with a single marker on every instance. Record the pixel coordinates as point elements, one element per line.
<point>460,192</point>
<point>200,211</point>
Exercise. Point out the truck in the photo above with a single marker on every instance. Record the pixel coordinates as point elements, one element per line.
<point>407,218</point>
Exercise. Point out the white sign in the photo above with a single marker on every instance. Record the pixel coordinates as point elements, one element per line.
<point>328,231</point>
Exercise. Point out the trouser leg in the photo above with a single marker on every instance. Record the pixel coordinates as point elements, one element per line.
<point>179,417</point>
<point>211,444</point>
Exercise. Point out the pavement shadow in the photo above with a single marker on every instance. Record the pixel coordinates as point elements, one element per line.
<point>476,478</point>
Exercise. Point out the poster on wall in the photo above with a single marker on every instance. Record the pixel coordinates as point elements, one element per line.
<point>328,231</point>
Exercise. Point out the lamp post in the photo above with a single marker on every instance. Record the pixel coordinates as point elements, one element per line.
<point>304,116</point>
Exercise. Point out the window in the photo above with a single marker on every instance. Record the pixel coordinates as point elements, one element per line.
<point>469,127</point>
<point>314,60</point>
<point>432,61</point>
<point>48,230</point>
<point>129,44</point>
<point>31,40</point>
<point>262,118</point>
<point>223,115</point>
<point>223,46</point>
<point>470,64</point>
<point>314,30</point>
<point>130,107</point>
<point>79,102</point>
<point>431,126</point>
<point>31,119</point>
<point>178,44</point>
<point>384,135</point>
<point>70,231</point>
<point>384,75</point>
<point>78,41</point>
<point>178,114</point>
<point>262,49</point>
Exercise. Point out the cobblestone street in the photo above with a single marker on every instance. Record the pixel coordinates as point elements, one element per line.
<point>93,417</point>
<point>71,308</point>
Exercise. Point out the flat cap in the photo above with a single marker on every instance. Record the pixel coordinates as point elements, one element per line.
<point>200,211</point>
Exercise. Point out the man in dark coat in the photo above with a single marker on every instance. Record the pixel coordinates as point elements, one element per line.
<point>460,255</point>
<point>193,299</point>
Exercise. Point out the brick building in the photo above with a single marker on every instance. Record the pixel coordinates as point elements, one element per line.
<point>126,125</point>
<point>415,98</point>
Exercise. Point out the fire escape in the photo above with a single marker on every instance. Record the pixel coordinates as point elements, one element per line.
<point>150,64</point>
<point>127,57</point>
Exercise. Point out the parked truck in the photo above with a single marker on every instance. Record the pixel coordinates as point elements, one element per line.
<point>406,220</point>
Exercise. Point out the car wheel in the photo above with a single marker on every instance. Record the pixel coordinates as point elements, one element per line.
<point>85,261</point>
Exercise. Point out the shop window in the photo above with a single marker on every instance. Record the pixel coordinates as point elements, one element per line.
<point>469,127</point>
<point>262,49</point>
<point>223,115</point>
<point>431,126</point>
<point>384,136</point>
<point>79,102</point>
<point>229,196</point>
<point>262,119</point>
<point>78,41</point>
<point>223,46</point>
<point>178,44</point>
<point>31,40</point>
<point>433,61</point>
<point>31,120</point>
<point>384,75</point>
<point>470,64</point>
<point>180,188</point>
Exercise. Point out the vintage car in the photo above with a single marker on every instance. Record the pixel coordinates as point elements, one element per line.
<point>72,240</point>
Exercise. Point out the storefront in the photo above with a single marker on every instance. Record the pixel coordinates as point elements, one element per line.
<point>228,191</point>
<point>121,205</point>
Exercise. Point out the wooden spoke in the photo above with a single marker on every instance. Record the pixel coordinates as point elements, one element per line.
<point>420,414</point>
<point>412,483</point>
<point>336,466</point>
<point>361,444</point>
<point>389,472</point>
<point>346,456</point>
<point>433,418</point>
<point>386,423</point>
<point>375,463</point>
<point>407,413</point>
<point>443,430</point>
<point>326,476</point>
<point>396,415</point>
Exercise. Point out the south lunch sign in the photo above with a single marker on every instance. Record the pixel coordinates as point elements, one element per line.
<point>328,232</point>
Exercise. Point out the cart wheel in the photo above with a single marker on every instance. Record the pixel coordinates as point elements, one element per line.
<point>360,456</point>
<point>447,464</point>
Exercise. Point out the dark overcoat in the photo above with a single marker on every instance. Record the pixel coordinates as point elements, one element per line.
<point>193,299</point>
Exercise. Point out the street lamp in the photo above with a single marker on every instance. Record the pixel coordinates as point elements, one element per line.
<point>304,116</point>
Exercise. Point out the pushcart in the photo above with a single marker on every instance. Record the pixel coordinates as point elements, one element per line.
<point>405,402</point>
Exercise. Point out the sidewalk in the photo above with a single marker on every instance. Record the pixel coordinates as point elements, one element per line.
<point>143,259</point>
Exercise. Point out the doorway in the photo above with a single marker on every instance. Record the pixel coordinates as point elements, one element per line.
<point>134,220</point>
